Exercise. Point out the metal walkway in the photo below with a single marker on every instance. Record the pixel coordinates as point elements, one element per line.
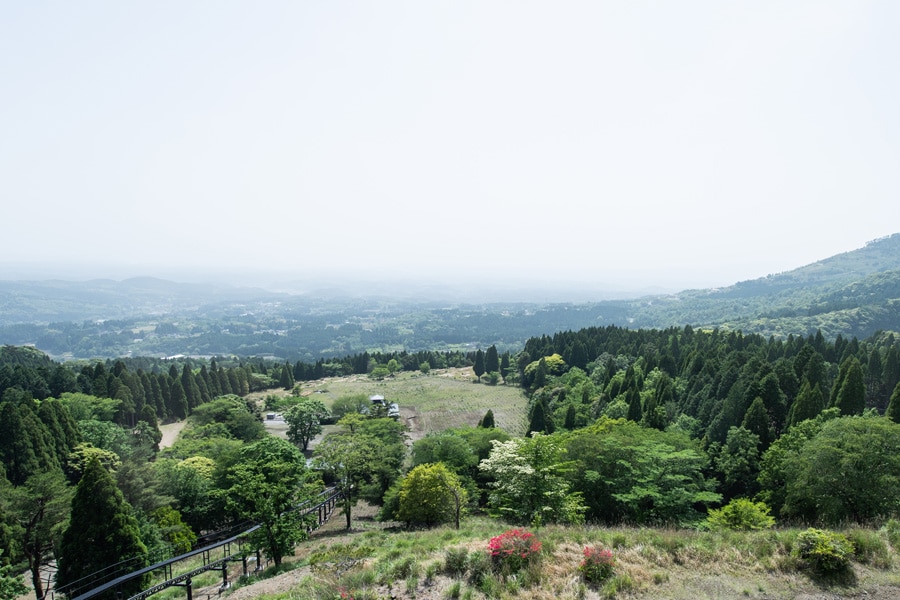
<point>216,556</point>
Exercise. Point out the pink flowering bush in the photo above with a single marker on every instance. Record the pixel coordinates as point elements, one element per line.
<point>598,564</point>
<point>513,549</point>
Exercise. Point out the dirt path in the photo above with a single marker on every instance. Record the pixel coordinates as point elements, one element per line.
<point>170,433</point>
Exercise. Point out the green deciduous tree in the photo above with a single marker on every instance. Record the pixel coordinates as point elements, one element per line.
<point>849,471</point>
<point>269,479</point>
<point>431,494</point>
<point>11,585</point>
<point>304,421</point>
<point>640,475</point>
<point>348,460</point>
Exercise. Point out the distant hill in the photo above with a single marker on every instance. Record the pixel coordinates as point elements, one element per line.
<point>103,299</point>
<point>852,294</point>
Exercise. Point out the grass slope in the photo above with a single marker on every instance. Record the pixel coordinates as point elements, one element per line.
<point>371,562</point>
<point>440,400</point>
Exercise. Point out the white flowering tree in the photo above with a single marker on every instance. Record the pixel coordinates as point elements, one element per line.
<point>530,486</point>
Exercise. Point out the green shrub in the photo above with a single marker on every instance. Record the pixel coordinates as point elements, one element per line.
<point>825,551</point>
<point>598,564</point>
<point>869,547</point>
<point>479,564</point>
<point>456,561</point>
<point>741,514</point>
<point>892,530</point>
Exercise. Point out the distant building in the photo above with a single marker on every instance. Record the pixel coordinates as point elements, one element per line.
<point>393,409</point>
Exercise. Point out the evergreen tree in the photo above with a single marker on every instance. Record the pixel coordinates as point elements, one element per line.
<point>893,409</point>
<point>491,360</point>
<point>851,397</point>
<point>26,446</point>
<point>102,531</point>
<point>191,390</point>
<point>478,367</point>
<point>504,365</point>
<point>286,381</point>
<point>635,412</point>
<point>809,403</point>
<point>178,406</point>
<point>538,419</point>
<point>756,420</point>
<point>487,422</point>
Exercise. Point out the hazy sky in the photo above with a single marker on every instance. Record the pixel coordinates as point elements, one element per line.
<point>637,143</point>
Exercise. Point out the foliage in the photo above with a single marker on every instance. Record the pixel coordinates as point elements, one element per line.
<point>232,412</point>
<point>848,471</point>
<point>40,506</point>
<point>741,514</point>
<point>304,421</point>
<point>826,552</point>
<point>11,585</point>
<point>530,484</point>
<point>350,404</point>
<point>632,473</point>
<point>431,494</point>
<point>347,460</point>
<point>102,531</point>
<point>513,549</point>
<point>456,561</point>
<point>597,565</point>
<point>269,480</point>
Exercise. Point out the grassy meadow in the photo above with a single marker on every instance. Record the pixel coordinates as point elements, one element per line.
<point>375,562</point>
<point>440,400</point>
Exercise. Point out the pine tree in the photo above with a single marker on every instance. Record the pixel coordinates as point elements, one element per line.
<point>102,531</point>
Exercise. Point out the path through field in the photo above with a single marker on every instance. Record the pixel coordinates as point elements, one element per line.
<point>170,433</point>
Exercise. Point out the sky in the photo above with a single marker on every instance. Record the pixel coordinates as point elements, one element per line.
<point>630,144</point>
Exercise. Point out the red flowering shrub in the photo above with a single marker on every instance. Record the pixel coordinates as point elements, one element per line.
<point>598,564</point>
<point>513,549</point>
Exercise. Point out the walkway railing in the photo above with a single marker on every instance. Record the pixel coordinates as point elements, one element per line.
<point>231,551</point>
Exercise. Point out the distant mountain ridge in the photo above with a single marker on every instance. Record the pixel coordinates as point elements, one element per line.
<point>853,294</point>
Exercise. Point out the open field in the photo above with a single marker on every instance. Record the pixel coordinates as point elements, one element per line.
<point>440,400</point>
